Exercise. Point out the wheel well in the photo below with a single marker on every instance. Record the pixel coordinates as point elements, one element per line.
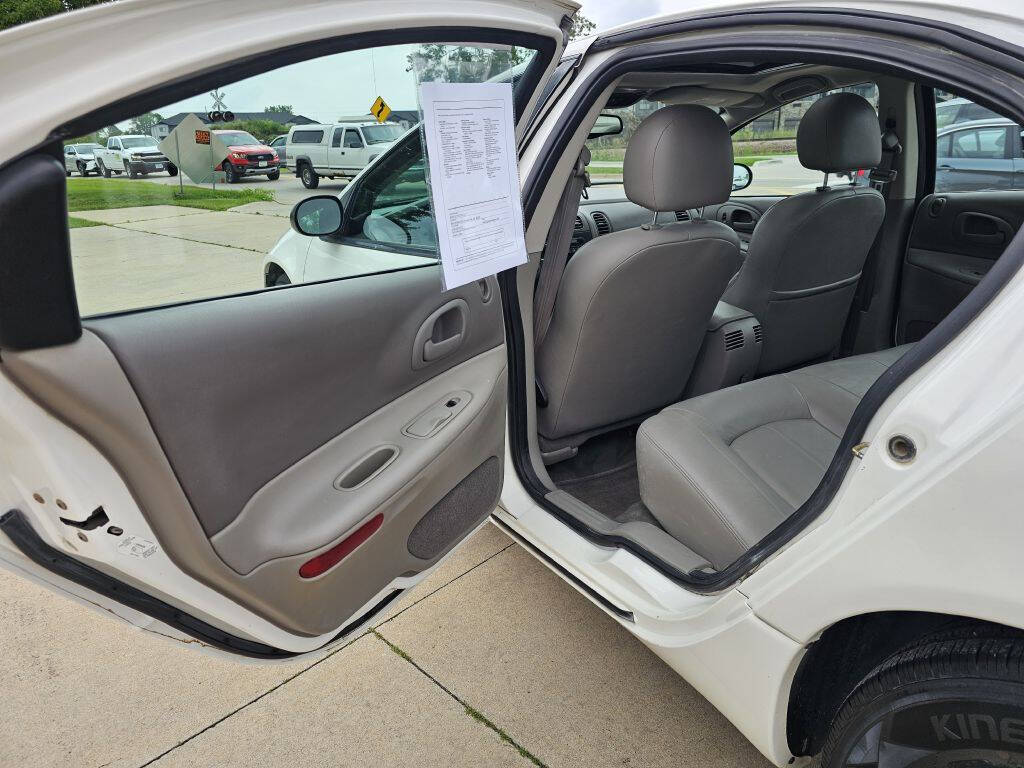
<point>844,654</point>
<point>271,273</point>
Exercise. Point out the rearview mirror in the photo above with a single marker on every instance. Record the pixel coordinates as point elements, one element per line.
<point>606,125</point>
<point>742,176</point>
<point>317,216</point>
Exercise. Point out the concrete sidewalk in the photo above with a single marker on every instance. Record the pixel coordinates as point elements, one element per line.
<point>492,661</point>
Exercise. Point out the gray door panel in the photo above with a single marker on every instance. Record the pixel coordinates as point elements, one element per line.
<point>955,239</point>
<point>245,420</point>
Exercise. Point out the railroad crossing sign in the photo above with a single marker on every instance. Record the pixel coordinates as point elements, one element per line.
<point>380,110</point>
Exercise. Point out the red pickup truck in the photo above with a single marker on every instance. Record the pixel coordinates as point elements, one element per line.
<point>247,156</point>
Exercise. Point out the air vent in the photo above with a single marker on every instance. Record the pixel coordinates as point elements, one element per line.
<point>578,224</point>
<point>602,223</point>
<point>734,339</point>
<point>758,334</point>
<point>682,215</point>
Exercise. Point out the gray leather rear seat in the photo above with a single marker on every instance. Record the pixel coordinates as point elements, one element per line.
<point>722,470</point>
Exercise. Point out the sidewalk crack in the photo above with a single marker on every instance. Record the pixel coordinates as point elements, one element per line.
<point>476,714</point>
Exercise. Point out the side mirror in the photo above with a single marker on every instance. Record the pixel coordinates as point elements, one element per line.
<point>317,216</point>
<point>742,176</point>
<point>606,125</point>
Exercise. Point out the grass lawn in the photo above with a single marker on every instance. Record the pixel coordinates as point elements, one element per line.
<point>98,194</point>
<point>74,222</point>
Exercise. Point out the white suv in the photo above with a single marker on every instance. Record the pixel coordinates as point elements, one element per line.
<point>336,149</point>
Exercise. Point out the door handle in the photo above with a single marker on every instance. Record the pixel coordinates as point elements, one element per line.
<point>441,334</point>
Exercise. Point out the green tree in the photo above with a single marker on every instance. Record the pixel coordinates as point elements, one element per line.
<point>264,130</point>
<point>14,12</point>
<point>144,123</point>
<point>581,26</point>
<point>462,63</point>
<point>280,108</point>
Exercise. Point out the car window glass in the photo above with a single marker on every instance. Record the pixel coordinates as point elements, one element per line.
<point>768,145</point>
<point>146,232</point>
<point>307,137</point>
<point>976,149</point>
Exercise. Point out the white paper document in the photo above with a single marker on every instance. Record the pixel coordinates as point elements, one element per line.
<point>474,178</point>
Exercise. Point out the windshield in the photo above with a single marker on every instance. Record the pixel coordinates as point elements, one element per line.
<point>236,138</point>
<point>138,141</point>
<point>86,148</point>
<point>381,134</point>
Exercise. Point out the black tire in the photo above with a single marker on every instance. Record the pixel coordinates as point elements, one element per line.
<point>66,171</point>
<point>130,173</point>
<point>81,169</point>
<point>952,701</point>
<point>172,170</point>
<point>274,175</point>
<point>310,179</point>
<point>230,176</point>
<point>103,170</point>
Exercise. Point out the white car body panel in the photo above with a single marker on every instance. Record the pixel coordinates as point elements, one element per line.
<point>58,55</point>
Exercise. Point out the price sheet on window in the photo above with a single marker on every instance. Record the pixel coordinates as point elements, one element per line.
<point>474,178</point>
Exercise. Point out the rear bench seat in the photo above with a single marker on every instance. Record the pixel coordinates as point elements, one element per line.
<point>722,470</point>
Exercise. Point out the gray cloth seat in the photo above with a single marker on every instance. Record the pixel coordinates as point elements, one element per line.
<point>807,252</point>
<point>632,306</point>
<point>720,471</point>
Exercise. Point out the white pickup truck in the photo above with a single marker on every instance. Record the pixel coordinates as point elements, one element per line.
<point>133,155</point>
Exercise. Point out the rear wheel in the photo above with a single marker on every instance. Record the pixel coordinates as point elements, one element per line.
<point>955,701</point>
<point>309,177</point>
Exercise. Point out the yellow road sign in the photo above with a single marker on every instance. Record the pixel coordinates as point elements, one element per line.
<point>380,110</point>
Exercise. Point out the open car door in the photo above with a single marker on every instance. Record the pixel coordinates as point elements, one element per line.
<point>259,469</point>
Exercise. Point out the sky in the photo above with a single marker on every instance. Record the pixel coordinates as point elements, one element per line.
<point>346,84</point>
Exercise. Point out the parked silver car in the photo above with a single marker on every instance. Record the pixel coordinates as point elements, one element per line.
<point>278,144</point>
<point>979,154</point>
<point>81,158</point>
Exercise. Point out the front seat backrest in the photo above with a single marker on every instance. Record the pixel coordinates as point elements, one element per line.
<point>807,251</point>
<point>632,307</point>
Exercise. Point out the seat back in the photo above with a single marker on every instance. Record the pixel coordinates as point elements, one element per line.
<point>633,306</point>
<point>807,252</point>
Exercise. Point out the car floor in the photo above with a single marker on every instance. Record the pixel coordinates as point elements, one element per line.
<point>603,475</point>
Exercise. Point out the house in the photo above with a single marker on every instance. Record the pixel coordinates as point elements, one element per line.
<point>285,119</point>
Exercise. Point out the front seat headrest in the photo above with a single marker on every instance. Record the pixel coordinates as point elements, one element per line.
<point>680,157</point>
<point>839,133</point>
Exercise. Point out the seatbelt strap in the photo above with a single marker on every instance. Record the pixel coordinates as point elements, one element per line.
<point>880,178</point>
<point>556,249</point>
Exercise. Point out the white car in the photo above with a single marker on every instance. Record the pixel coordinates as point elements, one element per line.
<point>133,155</point>
<point>81,158</point>
<point>336,149</point>
<point>775,436</point>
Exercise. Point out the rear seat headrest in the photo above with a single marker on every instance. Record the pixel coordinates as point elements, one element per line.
<point>680,157</point>
<point>839,133</point>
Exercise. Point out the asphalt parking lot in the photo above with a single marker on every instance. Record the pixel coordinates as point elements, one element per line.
<point>493,661</point>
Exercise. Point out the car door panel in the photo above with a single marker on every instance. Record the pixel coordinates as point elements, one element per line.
<point>955,239</point>
<point>742,214</point>
<point>248,409</point>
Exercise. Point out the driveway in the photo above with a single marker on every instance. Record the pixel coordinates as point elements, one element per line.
<point>492,661</point>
